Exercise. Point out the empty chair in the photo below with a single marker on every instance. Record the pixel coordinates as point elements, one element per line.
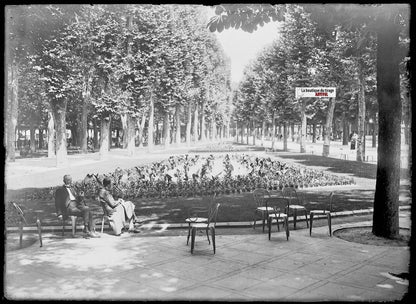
<point>260,198</point>
<point>326,212</point>
<point>278,213</point>
<point>208,227</point>
<point>294,206</point>
<point>198,215</point>
<point>22,221</point>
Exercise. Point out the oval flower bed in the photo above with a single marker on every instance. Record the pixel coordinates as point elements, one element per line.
<point>189,176</point>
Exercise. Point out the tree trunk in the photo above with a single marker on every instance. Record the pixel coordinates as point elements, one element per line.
<point>302,135</point>
<point>263,131</point>
<point>386,199</point>
<point>345,130</point>
<point>213,129</point>
<point>273,129</point>
<point>237,131</point>
<point>51,135</point>
<point>59,111</point>
<point>166,130</point>
<point>150,128</point>
<point>328,127</point>
<point>32,137</point>
<point>140,126</point>
<point>202,125</point>
<point>40,144</point>
<point>248,132</point>
<point>292,131</point>
<point>361,115</point>
<point>13,103</point>
<point>178,125</point>
<point>189,124</point>
<point>96,130</point>
<point>195,126</point>
<point>124,124</point>
<point>253,131</point>
<point>84,115</point>
<point>131,135</point>
<point>314,132</point>
<point>285,136</point>
<point>105,137</point>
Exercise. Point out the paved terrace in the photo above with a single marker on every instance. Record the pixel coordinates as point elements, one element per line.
<point>246,267</point>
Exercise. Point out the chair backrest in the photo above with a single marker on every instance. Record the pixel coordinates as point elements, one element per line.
<point>19,211</point>
<point>260,197</point>
<point>213,213</point>
<point>291,195</point>
<point>331,198</point>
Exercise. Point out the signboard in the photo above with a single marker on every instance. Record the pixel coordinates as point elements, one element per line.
<point>315,92</point>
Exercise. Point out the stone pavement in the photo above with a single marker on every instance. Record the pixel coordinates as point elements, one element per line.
<point>246,267</point>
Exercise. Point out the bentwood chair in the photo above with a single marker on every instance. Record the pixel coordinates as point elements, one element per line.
<point>278,214</point>
<point>20,216</point>
<point>260,196</point>
<point>294,206</point>
<point>198,215</point>
<point>324,212</point>
<point>209,226</point>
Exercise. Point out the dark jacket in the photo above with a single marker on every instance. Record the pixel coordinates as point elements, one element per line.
<point>62,200</point>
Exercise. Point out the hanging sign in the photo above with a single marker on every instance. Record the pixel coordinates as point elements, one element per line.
<point>315,92</point>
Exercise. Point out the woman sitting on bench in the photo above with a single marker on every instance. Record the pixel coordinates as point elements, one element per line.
<point>120,212</point>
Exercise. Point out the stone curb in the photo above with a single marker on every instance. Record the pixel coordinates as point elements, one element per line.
<point>54,228</point>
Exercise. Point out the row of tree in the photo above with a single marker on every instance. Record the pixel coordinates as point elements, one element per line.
<point>77,66</point>
<point>306,55</point>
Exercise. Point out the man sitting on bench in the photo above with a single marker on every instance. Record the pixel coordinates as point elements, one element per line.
<point>68,202</point>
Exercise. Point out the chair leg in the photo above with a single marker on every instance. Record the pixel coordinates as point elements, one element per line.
<point>277,223</point>
<point>74,225</point>
<point>264,220</point>
<point>295,215</point>
<point>310,224</point>
<point>189,234</point>
<point>102,225</point>
<point>193,232</point>
<point>254,222</point>
<point>269,225</point>
<point>39,231</point>
<point>306,217</point>
<point>63,227</point>
<point>287,229</point>
<point>329,224</point>
<point>20,233</point>
<point>213,237</point>
<point>208,236</point>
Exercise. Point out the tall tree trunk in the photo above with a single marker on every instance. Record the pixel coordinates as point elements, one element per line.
<point>189,124</point>
<point>105,137</point>
<point>96,130</point>
<point>314,132</point>
<point>253,131</point>
<point>150,128</point>
<point>237,131</point>
<point>195,126</point>
<point>386,199</point>
<point>40,146</point>
<point>302,135</point>
<point>213,129</point>
<point>124,124</point>
<point>202,125</point>
<point>328,127</point>
<point>32,137</point>
<point>292,131</point>
<point>13,103</point>
<point>51,134</point>
<point>131,135</point>
<point>59,113</point>
<point>263,131</point>
<point>140,125</point>
<point>248,132</point>
<point>345,130</point>
<point>178,124</point>
<point>285,136</point>
<point>166,130</point>
<point>361,114</point>
<point>84,115</point>
<point>273,129</point>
